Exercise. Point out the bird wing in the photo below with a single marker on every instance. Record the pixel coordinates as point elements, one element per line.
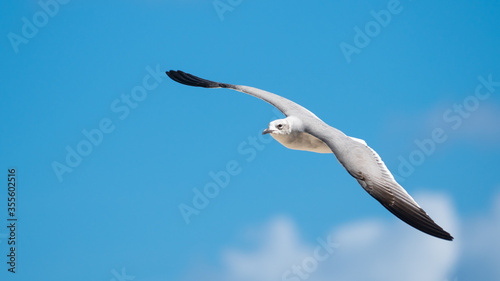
<point>284,105</point>
<point>366,166</point>
<point>362,162</point>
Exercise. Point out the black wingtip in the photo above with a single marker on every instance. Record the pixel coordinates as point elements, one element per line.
<point>427,225</point>
<point>447,236</point>
<point>435,230</point>
<point>191,80</point>
<point>417,218</point>
<point>443,235</point>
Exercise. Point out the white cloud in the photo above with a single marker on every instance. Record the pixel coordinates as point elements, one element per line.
<point>375,250</point>
<point>280,247</point>
<point>394,251</point>
<point>481,253</point>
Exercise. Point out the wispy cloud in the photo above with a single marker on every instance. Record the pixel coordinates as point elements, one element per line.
<point>480,126</point>
<point>279,247</point>
<point>481,252</point>
<point>393,251</point>
<point>373,249</point>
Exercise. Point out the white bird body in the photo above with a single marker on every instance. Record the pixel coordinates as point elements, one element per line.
<point>302,141</point>
<point>302,130</point>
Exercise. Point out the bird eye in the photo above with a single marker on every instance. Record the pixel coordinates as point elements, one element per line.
<point>280,126</point>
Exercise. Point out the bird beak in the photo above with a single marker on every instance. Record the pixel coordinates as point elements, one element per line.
<point>266,131</point>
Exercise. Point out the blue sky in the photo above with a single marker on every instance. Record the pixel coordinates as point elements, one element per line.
<point>106,148</point>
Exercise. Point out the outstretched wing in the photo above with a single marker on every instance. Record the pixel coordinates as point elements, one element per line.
<point>362,162</point>
<point>366,166</point>
<point>286,106</point>
<point>395,199</point>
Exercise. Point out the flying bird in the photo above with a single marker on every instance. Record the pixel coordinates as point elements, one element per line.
<point>302,130</point>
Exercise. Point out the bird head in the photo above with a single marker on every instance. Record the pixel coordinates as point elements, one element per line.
<point>279,127</point>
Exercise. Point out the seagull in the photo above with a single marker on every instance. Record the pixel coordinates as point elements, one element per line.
<point>302,130</point>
